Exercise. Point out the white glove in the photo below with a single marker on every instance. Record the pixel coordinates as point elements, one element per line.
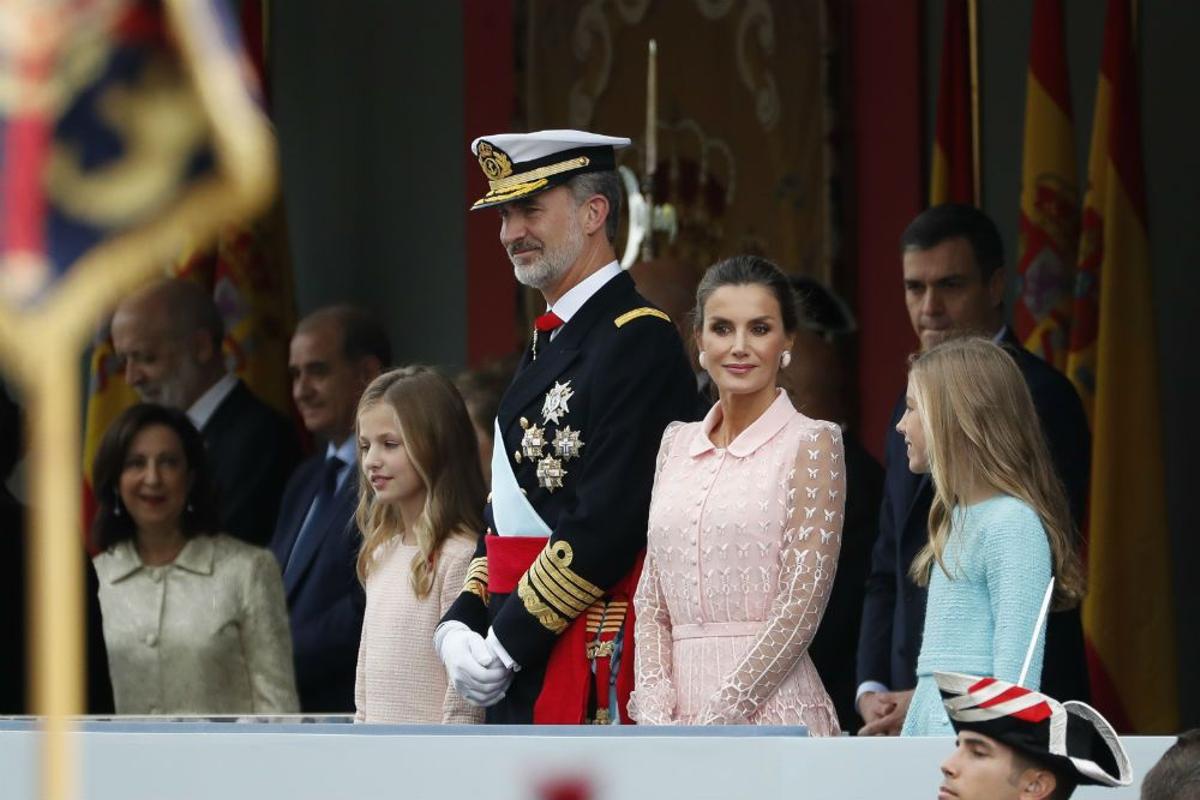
<point>477,673</point>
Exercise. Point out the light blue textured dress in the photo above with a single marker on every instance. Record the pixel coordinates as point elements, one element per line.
<point>981,621</point>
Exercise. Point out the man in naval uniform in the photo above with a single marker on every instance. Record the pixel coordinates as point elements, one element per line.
<point>542,631</point>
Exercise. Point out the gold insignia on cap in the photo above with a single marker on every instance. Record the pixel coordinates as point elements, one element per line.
<point>494,162</point>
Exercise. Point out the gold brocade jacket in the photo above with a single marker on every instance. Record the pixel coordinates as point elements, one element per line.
<point>206,634</point>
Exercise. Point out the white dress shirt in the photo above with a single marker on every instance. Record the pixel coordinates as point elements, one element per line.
<point>207,404</point>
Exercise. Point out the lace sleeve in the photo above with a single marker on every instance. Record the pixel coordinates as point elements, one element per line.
<point>653,699</point>
<point>807,563</point>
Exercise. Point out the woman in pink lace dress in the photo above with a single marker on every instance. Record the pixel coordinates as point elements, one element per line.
<point>745,528</point>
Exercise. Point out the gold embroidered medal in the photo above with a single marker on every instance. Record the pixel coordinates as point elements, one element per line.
<point>566,443</point>
<point>533,442</point>
<point>550,473</point>
<point>555,404</point>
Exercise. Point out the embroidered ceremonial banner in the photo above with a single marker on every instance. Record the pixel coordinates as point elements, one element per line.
<point>744,121</point>
<point>952,168</point>
<point>135,65</point>
<point>1128,616</point>
<point>1049,221</point>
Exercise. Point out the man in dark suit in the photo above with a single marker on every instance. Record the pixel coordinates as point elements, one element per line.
<point>169,335</point>
<point>540,632</point>
<point>954,283</point>
<point>334,354</point>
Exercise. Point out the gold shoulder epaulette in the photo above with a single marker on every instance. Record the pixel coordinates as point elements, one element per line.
<point>644,311</point>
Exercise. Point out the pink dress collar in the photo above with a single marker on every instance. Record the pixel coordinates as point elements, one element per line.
<point>769,423</point>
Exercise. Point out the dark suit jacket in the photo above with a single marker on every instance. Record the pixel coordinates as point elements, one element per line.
<point>324,598</point>
<point>629,378</point>
<point>13,628</point>
<point>252,449</point>
<point>894,609</point>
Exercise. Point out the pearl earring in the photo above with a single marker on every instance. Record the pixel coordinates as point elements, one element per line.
<point>785,358</point>
<point>700,358</point>
<point>116,504</point>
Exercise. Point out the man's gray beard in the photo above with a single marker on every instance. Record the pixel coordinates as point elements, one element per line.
<point>174,391</point>
<point>552,264</point>
<point>538,274</point>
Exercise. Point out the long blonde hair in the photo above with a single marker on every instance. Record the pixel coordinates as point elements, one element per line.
<point>443,450</point>
<point>981,428</point>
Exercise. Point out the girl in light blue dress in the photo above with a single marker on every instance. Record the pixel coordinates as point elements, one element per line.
<point>999,527</point>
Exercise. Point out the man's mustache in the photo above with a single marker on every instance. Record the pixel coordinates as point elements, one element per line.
<point>521,245</point>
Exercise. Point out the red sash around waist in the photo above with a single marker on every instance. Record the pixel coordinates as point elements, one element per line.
<point>569,679</point>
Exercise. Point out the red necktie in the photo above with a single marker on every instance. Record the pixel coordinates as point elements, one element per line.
<point>547,322</point>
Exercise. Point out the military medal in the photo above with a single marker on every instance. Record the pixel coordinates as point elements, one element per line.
<point>555,404</point>
<point>533,441</point>
<point>566,443</point>
<point>550,473</point>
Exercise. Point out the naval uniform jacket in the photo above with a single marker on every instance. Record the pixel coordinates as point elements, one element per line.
<point>619,366</point>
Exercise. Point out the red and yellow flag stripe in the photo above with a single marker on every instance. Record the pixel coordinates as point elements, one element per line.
<point>1049,220</point>
<point>952,171</point>
<point>1128,614</point>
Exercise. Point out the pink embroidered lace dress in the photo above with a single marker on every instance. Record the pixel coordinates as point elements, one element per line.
<point>742,549</point>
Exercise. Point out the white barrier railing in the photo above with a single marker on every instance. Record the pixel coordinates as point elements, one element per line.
<point>124,760</point>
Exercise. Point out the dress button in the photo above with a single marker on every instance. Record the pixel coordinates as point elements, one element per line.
<point>156,576</point>
<point>517,456</point>
<point>151,639</point>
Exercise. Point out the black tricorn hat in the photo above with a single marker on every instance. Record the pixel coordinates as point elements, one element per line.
<point>1070,738</point>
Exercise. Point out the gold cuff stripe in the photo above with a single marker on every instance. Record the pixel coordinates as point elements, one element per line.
<point>645,311</point>
<point>501,184</point>
<point>555,567</point>
<point>477,578</point>
<point>501,196</point>
<point>561,602</point>
<point>479,590</point>
<point>580,598</point>
<point>548,618</point>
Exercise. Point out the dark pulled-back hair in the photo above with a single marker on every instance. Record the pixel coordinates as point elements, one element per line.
<point>953,221</point>
<point>748,270</point>
<point>200,514</point>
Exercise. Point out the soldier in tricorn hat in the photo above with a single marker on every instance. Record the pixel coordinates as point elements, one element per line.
<point>1014,743</point>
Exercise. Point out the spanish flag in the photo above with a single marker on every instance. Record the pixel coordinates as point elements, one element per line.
<point>952,178</point>
<point>1049,221</point>
<point>249,274</point>
<point>1128,617</point>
